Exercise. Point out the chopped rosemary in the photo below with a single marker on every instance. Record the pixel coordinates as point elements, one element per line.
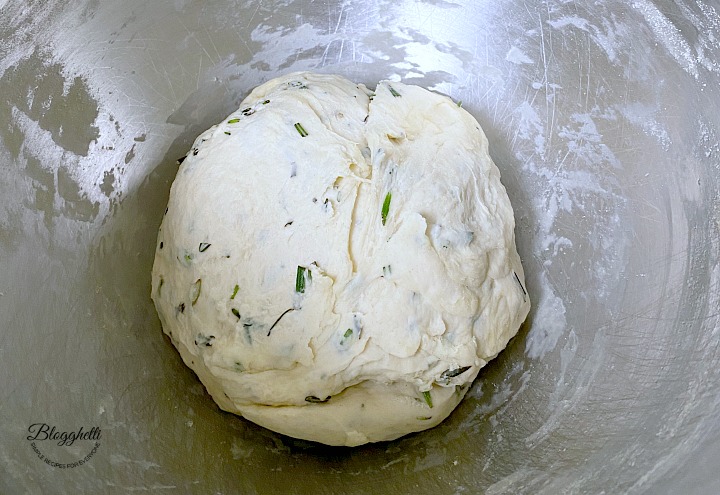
<point>235,291</point>
<point>521,286</point>
<point>393,92</point>
<point>236,313</point>
<point>228,133</point>
<point>447,374</point>
<point>266,102</point>
<point>278,320</point>
<point>386,207</point>
<point>347,335</point>
<point>301,130</point>
<point>233,121</point>
<point>424,418</point>
<point>428,398</point>
<point>316,400</point>
<point>197,287</point>
<point>204,246</point>
<point>300,279</point>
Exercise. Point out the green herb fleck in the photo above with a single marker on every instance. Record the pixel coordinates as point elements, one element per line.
<point>521,286</point>
<point>347,335</point>
<point>386,207</point>
<point>236,313</point>
<point>393,92</point>
<point>301,129</point>
<point>204,246</point>
<point>233,121</point>
<point>162,281</point>
<point>300,279</point>
<point>447,374</point>
<point>235,291</point>
<point>424,418</point>
<point>428,398</point>
<point>197,286</point>
<point>227,132</point>
<point>266,102</point>
<point>188,257</point>
<point>459,103</point>
<point>278,320</point>
<point>316,400</point>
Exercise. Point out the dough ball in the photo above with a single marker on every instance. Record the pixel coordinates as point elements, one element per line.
<point>337,264</point>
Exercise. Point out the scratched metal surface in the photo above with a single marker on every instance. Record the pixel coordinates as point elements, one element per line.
<point>604,118</point>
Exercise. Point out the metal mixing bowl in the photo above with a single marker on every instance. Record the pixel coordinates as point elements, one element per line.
<point>604,119</point>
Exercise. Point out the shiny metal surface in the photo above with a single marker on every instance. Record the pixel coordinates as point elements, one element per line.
<point>604,118</point>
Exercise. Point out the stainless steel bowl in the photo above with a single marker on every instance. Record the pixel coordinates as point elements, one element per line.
<point>604,118</point>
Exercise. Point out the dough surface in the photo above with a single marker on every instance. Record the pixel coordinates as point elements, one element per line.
<point>337,264</point>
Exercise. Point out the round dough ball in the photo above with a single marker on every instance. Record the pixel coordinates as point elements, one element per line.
<point>336,264</point>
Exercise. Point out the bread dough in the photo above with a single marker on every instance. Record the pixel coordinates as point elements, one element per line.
<point>337,264</point>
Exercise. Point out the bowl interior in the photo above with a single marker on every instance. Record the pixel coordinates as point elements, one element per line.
<point>604,120</point>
